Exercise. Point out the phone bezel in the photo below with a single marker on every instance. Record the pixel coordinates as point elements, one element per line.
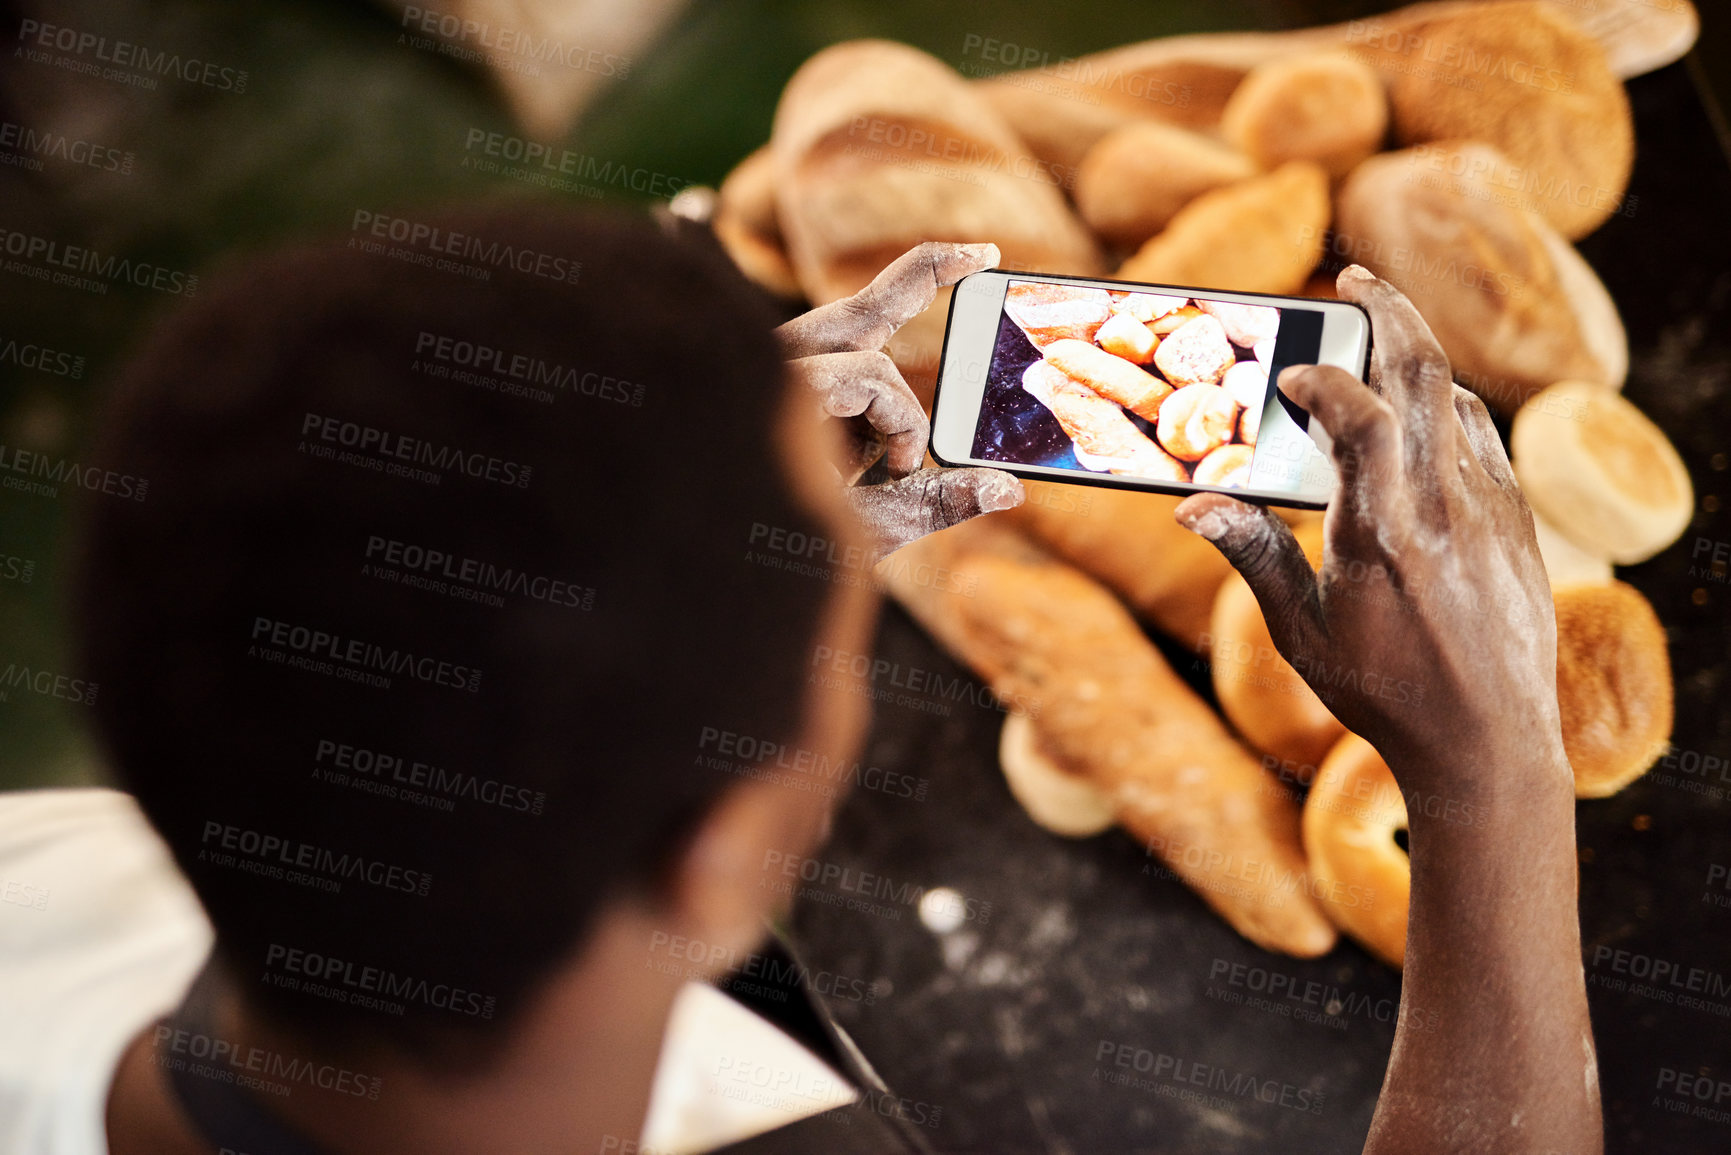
<point>1328,307</point>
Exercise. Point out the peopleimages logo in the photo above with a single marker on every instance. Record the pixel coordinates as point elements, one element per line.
<point>429,241</point>
<point>364,985</point>
<point>269,854</point>
<point>358,655</point>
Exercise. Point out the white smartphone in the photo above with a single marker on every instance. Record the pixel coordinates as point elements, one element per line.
<point>1155,387</point>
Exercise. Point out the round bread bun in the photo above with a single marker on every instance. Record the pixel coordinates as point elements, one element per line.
<point>1613,685</point>
<point>1058,801</point>
<point>1566,563</point>
<point>1262,235</point>
<point>1136,178</point>
<point>1513,305</point>
<point>1260,693</point>
<point>1358,872</point>
<point>1322,106</point>
<point>1596,468</point>
<point>1525,79</point>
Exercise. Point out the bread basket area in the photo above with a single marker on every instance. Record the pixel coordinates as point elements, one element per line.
<point>1156,828</point>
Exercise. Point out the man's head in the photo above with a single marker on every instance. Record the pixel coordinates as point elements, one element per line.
<point>453,601</point>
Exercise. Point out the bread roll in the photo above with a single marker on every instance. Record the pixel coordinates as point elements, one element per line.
<point>881,147</point>
<point>1263,235</point>
<point>1148,308</point>
<point>1566,563</point>
<point>1105,438</point>
<point>1124,336</point>
<point>1245,325</point>
<point>1524,79</point>
<point>1131,543</point>
<point>1109,709</point>
<point>746,226</point>
<point>1196,420</point>
<point>1058,801</point>
<point>1228,465</point>
<point>1260,693</point>
<point>1195,353</point>
<point>1613,685</point>
<point>1597,469</point>
<point>1512,304</point>
<point>1359,873</point>
<point>1182,80</point>
<point>1136,178</point>
<point>1111,376</point>
<point>1322,106</point>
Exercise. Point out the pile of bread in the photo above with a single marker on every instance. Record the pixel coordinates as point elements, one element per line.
<point>1454,148</point>
<point>1197,370</point>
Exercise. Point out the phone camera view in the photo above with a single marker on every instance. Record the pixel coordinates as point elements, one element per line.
<point>1141,385</point>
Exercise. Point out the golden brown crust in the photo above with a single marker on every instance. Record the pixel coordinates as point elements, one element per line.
<point>1613,685</point>
<point>1131,542</point>
<point>1098,426</point>
<point>1110,375</point>
<point>1108,707</point>
<point>882,147</point>
<point>1361,876</point>
<point>1511,303</point>
<point>1526,80</point>
<point>1261,235</point>
<point>1601,472</point>
<point>1136,178</point>
<point>1322,106</point>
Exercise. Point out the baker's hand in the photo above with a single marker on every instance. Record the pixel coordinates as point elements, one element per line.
<point>1429,628</point>
<point>836,351</point>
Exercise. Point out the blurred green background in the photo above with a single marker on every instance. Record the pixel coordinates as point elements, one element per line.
<point>339,114</point>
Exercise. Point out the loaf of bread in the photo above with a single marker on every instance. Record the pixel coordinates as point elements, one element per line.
<point>746,225</point>
<point>1613,685</point>
<point>1326,107</point>
<point>1110,710</point>
<point>1111,376</point>
<point>1513,305</point>
<point>1262,235</point>
<point>1105,438</point>
<point>880,147</point>
<point>1519,76</point>
<point>1047,312</point>
<point>1131,543</point>
<point>1136,178</point>
<point>1359,873</point>
<point>1598,470</point>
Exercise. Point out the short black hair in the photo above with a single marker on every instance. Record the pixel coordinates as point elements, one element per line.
<point>510,464</point>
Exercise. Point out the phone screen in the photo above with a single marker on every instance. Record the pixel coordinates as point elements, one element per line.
<point>1140,384</point>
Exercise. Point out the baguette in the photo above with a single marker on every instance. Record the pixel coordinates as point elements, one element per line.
<point>1131,543</point>
<point>1111,711</point>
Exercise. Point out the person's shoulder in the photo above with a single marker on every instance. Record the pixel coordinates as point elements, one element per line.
<point>99,935</point>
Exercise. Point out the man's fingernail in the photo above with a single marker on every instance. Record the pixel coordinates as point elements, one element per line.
<point>1000,492</point>
<point>983,251</point>
<point>1288,375</point>
<point>1210,524</point>
<point>1358,273</point>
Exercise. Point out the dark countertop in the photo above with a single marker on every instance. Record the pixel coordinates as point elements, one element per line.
<point>1008,1022</point>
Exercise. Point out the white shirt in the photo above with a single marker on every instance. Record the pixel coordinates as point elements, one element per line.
<point>100,935</point>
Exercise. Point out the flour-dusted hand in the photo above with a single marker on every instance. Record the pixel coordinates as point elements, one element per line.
<point>1429,627</point>
<point>836,352</point>
<point>1430,631</point>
